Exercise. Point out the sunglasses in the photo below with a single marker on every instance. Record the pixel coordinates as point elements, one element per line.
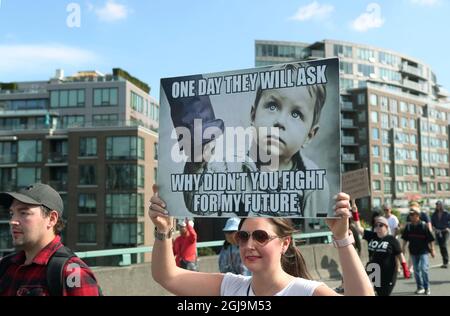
<point>260,236</point>
<point>379,225</point>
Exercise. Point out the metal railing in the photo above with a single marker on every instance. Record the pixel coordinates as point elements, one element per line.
<point>127,252</point>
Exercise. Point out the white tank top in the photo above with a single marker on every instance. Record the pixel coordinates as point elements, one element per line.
<point>239,285</point>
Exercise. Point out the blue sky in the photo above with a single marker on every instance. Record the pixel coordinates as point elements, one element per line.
<point>162,38</point>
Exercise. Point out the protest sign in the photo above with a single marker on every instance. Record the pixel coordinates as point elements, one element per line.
<point>254,142</point>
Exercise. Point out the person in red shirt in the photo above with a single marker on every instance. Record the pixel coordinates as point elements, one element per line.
<point>36,225</point>
<point>185,246</point>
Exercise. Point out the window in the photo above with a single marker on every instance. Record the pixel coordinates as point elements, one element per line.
<point>366,70</point>
<point>105,97</point>
<point>137,102</point>
<point>400,187</point>
<point>376,168</point>
<point>376,185</point>
<point>384,120</point>
<point>125,205</point>
<point>88,146</point>
<point>361,99</point>
<point>345,83</point>
<point>424,188</point>
<point>7,179</point>
<point>87,203</point>
<point>30,151</point>
<point>105,120</point>
<point>432,188</point>
<point>123,176</point>
<point>385,137</point>
<point>124,147</point>
<point>375,133</point>
<point>154,111</point>
<point>345,67</point>
<point>155,175</point>
<point>26,176</point>
<point>362,133</point>
<point>127,233</point>
<point>362,116</point>
<point>374,117</point>
<point>412,124</point>
<point>389,59</point>
<point>411,108</point>
<point>72,121</point>
<point>67,98</point>
<point>155,148</point>
<point>8,152</point>
<point>404,122</point>
<point>386,156</point>
<point>390,75</point>
<point>394,121</point>
<point>376,151</point>
<point>393,106</point>
<point>388,187</point>
<point>365,54</point>
<point>87,175</point>
<point>343,50</point>
<point>376,202</point>
<point>384,103</point>
<point>403,107</point>
<point>373,99</point>
<point>387,170</point>
<point>87,233</point>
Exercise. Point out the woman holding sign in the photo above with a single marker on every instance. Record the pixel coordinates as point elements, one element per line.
<point>267,249</point>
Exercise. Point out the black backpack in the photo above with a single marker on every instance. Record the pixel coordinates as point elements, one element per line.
<point>55,271</point>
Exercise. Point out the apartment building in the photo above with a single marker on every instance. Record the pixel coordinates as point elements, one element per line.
<point>93,137</point>
<point>394,118</point>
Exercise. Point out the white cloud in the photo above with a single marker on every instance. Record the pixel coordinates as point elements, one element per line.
<point>369,19</point>
<point>314,10</point>
<point>31,59</point>
<point>428,3</point>
<point>111,11</point>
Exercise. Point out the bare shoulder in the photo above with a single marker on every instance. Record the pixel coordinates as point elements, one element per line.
<point>324,290</point>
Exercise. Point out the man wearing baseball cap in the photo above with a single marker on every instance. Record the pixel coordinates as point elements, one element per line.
<point>36,224</point>
<point>420,240</point>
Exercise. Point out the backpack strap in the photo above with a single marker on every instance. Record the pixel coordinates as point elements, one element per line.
<point>55,270</point>
<point>4,264</point>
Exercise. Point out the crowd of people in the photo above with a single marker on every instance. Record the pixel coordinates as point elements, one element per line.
<point>258,257</point>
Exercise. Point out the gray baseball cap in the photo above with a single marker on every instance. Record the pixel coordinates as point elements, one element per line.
<point>35,194</point>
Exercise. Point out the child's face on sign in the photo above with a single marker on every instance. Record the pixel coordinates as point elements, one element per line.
<point>291,110</point>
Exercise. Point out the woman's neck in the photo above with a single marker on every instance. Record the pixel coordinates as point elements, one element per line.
<point>269,284</point>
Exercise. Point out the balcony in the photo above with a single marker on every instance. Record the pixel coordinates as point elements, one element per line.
<point>348,157</point>
<point>58,185</point>
<point>8,186</point>
<point>8,159</point>
<point>348,140</point>
<point>415,86</point>
<point>57,157</point>
<point>348,123</point>
<point>410,70</point>
<point>347,106</point>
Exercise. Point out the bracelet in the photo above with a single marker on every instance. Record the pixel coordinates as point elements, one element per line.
<point>341,243</point>
<point>163,236</point>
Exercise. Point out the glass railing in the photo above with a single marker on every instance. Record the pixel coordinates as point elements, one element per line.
<point>56,157</point>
